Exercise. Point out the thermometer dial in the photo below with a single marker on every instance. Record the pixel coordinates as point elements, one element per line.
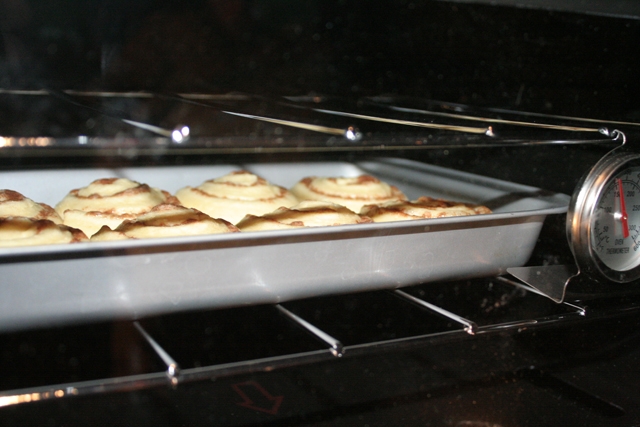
<point>603,223</point>
<point>615,236</point>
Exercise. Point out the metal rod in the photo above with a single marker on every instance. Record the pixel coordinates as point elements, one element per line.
<point>151,128</point>
<point>140,95</point>
<point>337,349</point>
<point>485,131</point>
<point>66,96</point>
<point>300,125</point>
<point>555,116</point>
<point>349,133</point>
<point>173,370</point>
<point>239,97</point>
<point>137,382</point>
<point>470,327</point>
<point>489,120</point>
<point>456,106</point>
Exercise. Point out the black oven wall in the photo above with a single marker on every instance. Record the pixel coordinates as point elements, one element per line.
<point>535,58</point>
<point>485,55</point>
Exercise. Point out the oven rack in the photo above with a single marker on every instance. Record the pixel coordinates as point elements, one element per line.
<point>480,297</point>
<point>133,124</point>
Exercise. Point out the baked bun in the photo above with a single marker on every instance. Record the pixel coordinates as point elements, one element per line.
<point>109,201</point>
<point>305,214</point>
<point>423,207</point>
<point>21,231</point>
<point>166,220</point>
<point>235,195</point>
<point>13,204</point>
<point>353,193</point>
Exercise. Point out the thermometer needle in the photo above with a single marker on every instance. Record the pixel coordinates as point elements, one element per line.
<point>623,211</point>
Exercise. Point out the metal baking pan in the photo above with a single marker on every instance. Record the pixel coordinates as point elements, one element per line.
<point>57,284</point>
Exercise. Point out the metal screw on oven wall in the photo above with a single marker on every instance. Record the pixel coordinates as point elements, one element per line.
<point>353,134</point>
<point>173,372</point>
<point>180,134</point>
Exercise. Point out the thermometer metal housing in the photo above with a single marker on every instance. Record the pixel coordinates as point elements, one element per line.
<point>603,221</point>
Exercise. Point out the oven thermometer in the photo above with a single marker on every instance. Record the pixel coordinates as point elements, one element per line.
<point>603,222</point>
<point>603,228</point>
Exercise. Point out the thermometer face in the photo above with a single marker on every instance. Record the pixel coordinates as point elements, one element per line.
<point>615,236</point>
<point>603,219</point>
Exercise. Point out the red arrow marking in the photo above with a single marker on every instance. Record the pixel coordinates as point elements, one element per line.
<point>243,389</point>
<point>623,211</point>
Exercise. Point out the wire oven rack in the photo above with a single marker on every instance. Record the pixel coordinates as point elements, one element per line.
<point>188,347</point>
<point>79,123</point>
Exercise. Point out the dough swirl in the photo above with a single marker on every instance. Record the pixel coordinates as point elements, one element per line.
<point>350,192</point>
<point>14,204</point>
<point>109,201</point>
<point>423,207</point>
<point>309,213</point>
<point>166,220</point>
<point>21,231</point>
<point>235,195</point>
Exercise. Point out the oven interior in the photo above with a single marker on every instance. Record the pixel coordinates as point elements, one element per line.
<point>521,93</point>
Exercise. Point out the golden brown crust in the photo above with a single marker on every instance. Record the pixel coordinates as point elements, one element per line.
<point>352,192</point>
<point>305,214</point>
<point>422,208</point>
<point>21,231</point>
<point>166,220</point>
<point>11,196</point>
<point>13,203</point>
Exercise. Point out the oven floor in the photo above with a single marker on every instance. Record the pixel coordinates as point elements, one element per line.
<point>397,389</point>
